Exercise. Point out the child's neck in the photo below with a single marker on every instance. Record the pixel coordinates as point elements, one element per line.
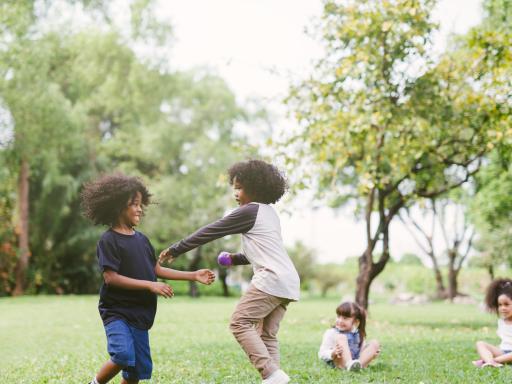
<point>123,228</point>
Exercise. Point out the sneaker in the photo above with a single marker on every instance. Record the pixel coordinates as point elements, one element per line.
<point>478,363</point>
<point>354,366</point>
<point>278,377</point>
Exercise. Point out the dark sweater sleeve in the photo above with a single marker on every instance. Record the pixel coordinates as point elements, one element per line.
<point>241,220</point>
<point>239,259</point>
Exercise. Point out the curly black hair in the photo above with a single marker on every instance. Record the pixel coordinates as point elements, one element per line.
<point>104,199</point>
<point>262,182</point>
<point>497,288</point>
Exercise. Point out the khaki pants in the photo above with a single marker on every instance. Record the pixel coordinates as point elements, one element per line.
<point>254,324</point>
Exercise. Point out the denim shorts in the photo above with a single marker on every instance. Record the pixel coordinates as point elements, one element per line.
<point>128,347</point>
<point>353,344</point>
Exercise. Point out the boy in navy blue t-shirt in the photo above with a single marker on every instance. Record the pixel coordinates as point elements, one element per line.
<point>129,291</point>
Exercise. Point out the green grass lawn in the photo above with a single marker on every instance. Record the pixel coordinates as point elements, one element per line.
<point>61,340</point>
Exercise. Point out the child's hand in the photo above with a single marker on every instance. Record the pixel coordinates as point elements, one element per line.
<point>165,255</point>
<point>161,289</point>
<point>205,276</point>
<point>337,352</point>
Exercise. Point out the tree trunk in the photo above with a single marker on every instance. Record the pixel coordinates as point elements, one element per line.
<point>363,288</point>
<point>368,270</point>
<point>325,289</point>
<point>440,288</point>
<point>490,269</point>
<point>194,265</point>
<point>452,275</point>
<point>452,285</point>
<point>222,277</point>
<point>363,279</point>
<point>23,235</point>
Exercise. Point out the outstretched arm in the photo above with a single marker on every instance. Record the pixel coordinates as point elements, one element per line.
<point>241,220</point>
<point>114,279</point>
<point>204,276</point>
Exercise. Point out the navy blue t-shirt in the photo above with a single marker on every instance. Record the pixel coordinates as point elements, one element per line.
<point>131,256</point>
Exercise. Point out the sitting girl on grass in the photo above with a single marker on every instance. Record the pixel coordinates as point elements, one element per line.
<point>343,345</point>
<point>498,300</point>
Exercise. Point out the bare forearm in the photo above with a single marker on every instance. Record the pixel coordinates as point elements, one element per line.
<point>173,274</point>
<point>120,281</point>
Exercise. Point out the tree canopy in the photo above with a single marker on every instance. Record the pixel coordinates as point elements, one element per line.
<point>385,121</point>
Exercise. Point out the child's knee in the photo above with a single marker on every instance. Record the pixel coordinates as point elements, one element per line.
<point>123,357</point>
<point>375,344</point>
<point>480,343</point>
<point>239,324</point>
<point>341,338</point>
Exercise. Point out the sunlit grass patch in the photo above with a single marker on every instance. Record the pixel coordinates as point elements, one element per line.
<point>61,340</point>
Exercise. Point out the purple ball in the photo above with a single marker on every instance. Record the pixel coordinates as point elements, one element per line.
<point>224,259</point>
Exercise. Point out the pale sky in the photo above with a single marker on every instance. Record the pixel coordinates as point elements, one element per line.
<point>259,47</point>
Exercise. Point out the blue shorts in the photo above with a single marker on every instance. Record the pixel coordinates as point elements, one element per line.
<point>129,347</point>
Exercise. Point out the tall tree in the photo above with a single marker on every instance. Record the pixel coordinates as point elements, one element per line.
<point>385,122</point>
<point>451,217</point>
<point>69,90</point>
<point>490,210</point>
<point>185,151</point>
<point>43,122</point>
<point>8,246</point>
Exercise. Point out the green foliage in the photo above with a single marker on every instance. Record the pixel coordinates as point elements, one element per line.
<point>328,277</point>
<point>491,211</point>
<point>372,122</point>
<point>304,260</point>
<point>410,259</point>
<point>386,122</point>
<point>396,279</point>
<point>8,246</point>
<point>498,14</point>
<point>188,336</point>
<point>83,103</point>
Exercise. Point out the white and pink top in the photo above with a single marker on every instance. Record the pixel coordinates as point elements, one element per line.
<point>262,246</point>
<point>505,334</point>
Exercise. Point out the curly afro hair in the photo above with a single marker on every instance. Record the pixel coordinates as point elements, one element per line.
<point>104,199</point>
<point>497,288</point>
<point>262,182</point>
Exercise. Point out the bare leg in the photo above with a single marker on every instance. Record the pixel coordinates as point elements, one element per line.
<point>107,372</point>
<point>346,356</point>
<point>124,381</point>
<point>369,352</point>
<point>504,358</point>
<point>487,351</point>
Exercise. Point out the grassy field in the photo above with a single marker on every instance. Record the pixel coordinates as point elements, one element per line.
<point>61,340</point>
